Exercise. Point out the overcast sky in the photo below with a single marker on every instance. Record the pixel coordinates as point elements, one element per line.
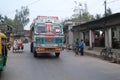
<point>61,8</point>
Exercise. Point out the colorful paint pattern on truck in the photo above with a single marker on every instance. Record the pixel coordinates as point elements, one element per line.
<point>47,35</point>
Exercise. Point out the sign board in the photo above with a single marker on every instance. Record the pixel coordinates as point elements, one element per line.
<point>45,19</point>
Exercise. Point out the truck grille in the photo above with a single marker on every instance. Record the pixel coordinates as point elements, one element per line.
<point>49,40</point>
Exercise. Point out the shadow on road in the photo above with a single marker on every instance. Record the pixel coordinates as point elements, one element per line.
<point>0,75</point>
<point>46,56</point>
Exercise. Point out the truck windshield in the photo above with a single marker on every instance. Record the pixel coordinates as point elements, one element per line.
<point>41,28</point>
<point>56,28</point>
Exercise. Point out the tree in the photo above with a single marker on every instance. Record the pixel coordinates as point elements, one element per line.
<point>8,21</point>
<point>81,14</point>
<point>108,12</point>
<point>21,17</point>
<point>97,16</point>
<point>1,19</point>
<point>86,16</point>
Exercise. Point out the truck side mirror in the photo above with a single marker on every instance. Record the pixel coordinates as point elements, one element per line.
<point>32,28</point>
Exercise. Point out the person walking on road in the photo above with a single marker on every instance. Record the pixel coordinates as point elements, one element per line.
<point>82,46</point>
<point>15,44</point>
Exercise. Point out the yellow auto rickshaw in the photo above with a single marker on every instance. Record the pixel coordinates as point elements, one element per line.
<point>3,51</point>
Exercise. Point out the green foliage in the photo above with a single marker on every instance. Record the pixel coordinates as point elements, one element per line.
<point>81,14</point>
<point>84,17</point>
<point>1,19</point>
<point>8,21</point>
<point>97,16</point>
<point>21,17</point>
<point>108,12</point>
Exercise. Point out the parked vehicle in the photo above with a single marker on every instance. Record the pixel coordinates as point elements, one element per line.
<point>3,51</point>
<point>18,46</point>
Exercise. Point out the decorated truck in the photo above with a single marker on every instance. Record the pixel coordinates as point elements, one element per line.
<point>47,36</point>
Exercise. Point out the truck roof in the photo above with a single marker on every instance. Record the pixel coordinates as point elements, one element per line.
<point>44,19</point>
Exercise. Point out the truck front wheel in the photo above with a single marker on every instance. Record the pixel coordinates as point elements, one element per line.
<point>1,70</point>
<point>31,47</point>
<point>35,54</point>
<point>57,54</point>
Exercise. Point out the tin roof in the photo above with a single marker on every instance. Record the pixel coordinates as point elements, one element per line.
<point>108,21</point>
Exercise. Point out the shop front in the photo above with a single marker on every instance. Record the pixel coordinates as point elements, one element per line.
<point>116,37</point>
<point>99,38</point>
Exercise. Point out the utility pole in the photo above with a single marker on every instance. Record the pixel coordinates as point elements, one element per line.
<point>86,9</point>
<point>105,8</point>
<point>80,11</point>
<point>106,30</point>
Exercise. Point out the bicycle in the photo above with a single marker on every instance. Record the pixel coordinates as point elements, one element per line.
<point>76,49</point>
<point>106,53</point>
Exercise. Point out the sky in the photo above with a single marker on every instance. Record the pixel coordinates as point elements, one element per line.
<point>61,8</point>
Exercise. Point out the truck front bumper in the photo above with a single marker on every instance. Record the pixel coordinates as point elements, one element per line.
<point>48,50</point>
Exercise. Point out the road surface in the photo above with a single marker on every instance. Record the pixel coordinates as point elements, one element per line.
<point>23,66</point>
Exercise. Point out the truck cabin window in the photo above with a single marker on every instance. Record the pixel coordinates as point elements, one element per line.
<point>40,29</point>
<point>56,28</point>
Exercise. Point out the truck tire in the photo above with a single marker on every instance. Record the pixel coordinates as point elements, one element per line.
<point>31,47</point>
<point>13,51</point>
<point>57,54</point>
<point>1,69</point>
<point>35,54</point>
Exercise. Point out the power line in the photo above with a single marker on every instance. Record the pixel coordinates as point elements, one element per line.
<point>112,1</point>
<point>32,3</point>
<point>26,5</point>
<point>107,3</point>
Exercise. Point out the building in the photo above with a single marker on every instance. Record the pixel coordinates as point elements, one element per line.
<point>104,32</point>
<point>6,29</point>
<point>69,38</point>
